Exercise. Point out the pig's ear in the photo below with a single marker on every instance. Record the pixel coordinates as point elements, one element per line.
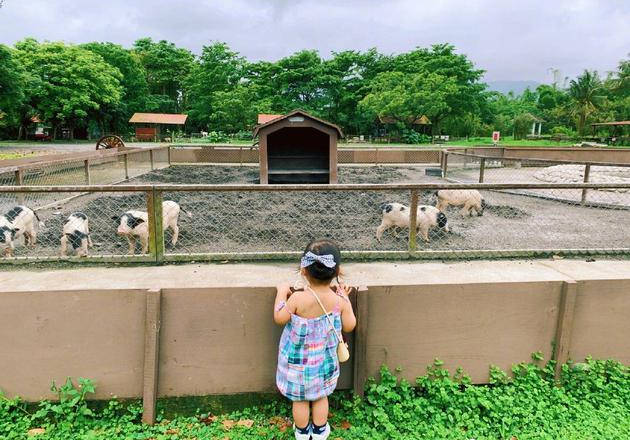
<point>116,217</point>
<point>140,220</point>
<point>14,231</point>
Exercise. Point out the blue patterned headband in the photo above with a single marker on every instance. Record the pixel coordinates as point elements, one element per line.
<point>309,258</point>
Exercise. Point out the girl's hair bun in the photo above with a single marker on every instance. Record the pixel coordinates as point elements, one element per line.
<point>323,247</point>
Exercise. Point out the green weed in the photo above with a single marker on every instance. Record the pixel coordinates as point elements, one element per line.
<point>591,400</point>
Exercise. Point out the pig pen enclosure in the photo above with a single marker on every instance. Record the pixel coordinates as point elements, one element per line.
<point>231,216</point>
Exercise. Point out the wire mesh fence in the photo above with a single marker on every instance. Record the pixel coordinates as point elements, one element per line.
<point>94,169</point>
<point>216,222</point>
<point>462,167</point>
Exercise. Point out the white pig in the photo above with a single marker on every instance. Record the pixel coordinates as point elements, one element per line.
<point>470,199</point>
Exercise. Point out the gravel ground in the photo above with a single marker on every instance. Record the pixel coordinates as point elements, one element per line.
<point>556,174</point>
<point>261,221</point>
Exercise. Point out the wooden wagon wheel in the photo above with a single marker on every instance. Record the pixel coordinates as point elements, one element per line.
<point>110,141</point>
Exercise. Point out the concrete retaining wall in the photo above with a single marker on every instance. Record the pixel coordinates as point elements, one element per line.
<point>220,339</point>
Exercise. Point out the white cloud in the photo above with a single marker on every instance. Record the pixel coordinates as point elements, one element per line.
<point>510,39</point>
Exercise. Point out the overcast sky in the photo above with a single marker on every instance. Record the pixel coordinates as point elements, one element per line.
<point>512,40</point>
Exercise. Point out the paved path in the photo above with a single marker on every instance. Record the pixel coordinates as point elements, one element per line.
<point>270,274</point>
<point>48,148</point>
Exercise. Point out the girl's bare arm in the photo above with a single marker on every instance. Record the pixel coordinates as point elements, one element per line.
<point>282,306</point>
<point>348,320</point>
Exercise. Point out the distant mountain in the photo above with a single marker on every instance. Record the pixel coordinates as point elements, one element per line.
<point>517,87</point>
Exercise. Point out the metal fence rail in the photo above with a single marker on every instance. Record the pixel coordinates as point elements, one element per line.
<point>94,168</point>
<point>258,222</point>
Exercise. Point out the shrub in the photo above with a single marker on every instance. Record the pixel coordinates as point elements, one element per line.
<point>413,137</point>
<point>522,125</point>
<point>217,136</point>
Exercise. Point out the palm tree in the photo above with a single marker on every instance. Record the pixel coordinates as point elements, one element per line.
<point>587,93</point>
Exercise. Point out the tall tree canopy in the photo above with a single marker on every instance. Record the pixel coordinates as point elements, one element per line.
<point>12,85</point>
<point>72,83</point>
<point>215,96</point>
<point>167,68</point>
<point>135,90</point>
<point>99,85</point>
<point>441,59</point>
<point>407,97</point>
<point>587,95</point>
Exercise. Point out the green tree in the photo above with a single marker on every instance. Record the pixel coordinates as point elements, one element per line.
<point>407,97</point>
<point>217,99</point>
<point>167,67</point>
<point>618,92</point>
<point>587,95</point>
<point>135,91</point>
<point>300,81</point>
<point>12,87</point>
<point>349,75</point>
<point>73,83</point>
<point>441,59</point>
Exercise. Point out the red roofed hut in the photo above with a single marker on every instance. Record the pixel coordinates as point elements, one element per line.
<point>297,148</point>
<point>148,125</point>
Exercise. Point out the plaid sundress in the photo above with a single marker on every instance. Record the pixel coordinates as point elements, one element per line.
<point>308,367</point>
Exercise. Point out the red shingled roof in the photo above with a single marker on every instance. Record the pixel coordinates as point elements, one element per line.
<point>158,118</point>
<point>263,118</point>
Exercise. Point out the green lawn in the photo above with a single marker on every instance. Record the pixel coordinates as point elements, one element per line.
<point>12,143</point>
<point>6,156</point>
<point>508,140</point>
<point>589,402</point>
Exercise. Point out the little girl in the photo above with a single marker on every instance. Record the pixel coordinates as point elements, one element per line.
<point>308,367</point>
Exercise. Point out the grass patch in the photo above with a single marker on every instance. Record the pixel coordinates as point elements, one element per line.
<point>590,401</point>
<point>509,140</point>
<point>7,156</point>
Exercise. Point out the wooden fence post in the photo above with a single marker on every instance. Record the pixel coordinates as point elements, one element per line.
<point>587,172</point>
<point>151,355</point>
<point>126,156</point>
<point>360,343</point>
<point>375,156</point>
<point>19,181</point>
<point>86,170</point>
<point>482,169</point>
<point>168,153</point>
<point>413,216</point>
<point>445,167</point>
<point>564,327</point>
<point>151,159</point>
<point>156,230</point>
<point>240,156</point>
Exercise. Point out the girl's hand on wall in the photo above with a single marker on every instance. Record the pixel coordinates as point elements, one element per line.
<point>283,290</point>
<point>345,290</point>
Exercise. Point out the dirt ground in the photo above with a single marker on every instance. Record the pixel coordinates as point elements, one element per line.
<point>286,221</point>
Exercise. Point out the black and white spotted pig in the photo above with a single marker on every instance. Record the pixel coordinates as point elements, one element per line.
<point>76,232</point>
<point>7,236</point>
<point>396,214</point>
<point>19,221</point>
<point>134,224</point>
